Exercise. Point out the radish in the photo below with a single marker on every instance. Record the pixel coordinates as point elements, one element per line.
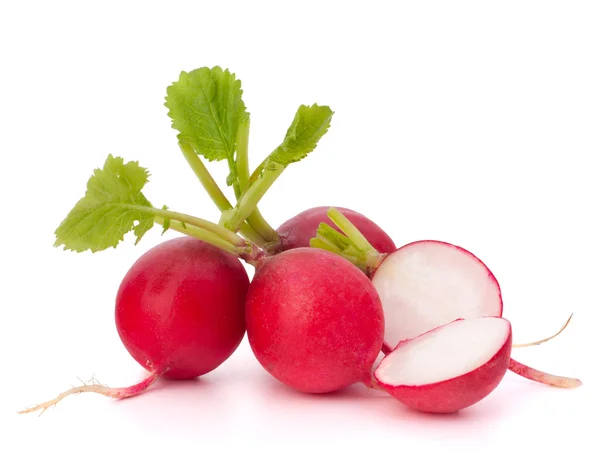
<point>180,308</point>
<point>424,285</point>
<point>450,367</point>
<point>298,230</point>
<point>179,312</point>
<point>315,321</point>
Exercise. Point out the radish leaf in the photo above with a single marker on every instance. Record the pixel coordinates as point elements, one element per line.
<point>309,125</point>
<point>112,206</point>
<point>206,107</point>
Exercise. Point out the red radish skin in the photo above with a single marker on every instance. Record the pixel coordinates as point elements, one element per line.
<point>179,312</point>
<point>457,393</point>
<point>314,320</point>
<point>298,230</point>
<point>180,308</point>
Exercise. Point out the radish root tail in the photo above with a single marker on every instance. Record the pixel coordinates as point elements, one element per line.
<point>538,342</point>
<point>96,387</point>
<point>541,377</point>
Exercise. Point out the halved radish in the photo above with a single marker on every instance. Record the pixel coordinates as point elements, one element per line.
<point>450,367</point>
<point>426,284</point>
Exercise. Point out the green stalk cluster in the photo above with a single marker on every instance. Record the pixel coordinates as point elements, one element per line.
<point>213,124</point>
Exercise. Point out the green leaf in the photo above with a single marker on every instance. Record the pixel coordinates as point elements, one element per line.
<point>309,125</point>
<point>206,107</point>
<point>112,206</point>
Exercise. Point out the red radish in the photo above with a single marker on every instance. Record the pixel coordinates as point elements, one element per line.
<point>314,320</point>
<point>298,230</point>
<point>179,312</point>
<point>180,308</point>
<point>425,284</point>
<point>450,367</point>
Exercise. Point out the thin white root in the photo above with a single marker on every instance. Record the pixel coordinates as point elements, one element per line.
<point>538,342</point>
<point>96,387</point>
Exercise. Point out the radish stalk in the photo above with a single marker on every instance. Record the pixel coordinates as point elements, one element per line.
<point>201,234</point>
<point>241,161</point>
<point>219,231</point>
<point>296,232</point>
<point>255,219</point>
<point>352,244</point>
<point>246,250</point>
<point>215,192</point>
<point>204,177</point>
<point>248,202</point>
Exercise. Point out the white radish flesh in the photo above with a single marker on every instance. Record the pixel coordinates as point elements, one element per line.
<point>426,284</point>
<point>450,367</point>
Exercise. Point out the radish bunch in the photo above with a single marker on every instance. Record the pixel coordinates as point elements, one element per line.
<point>330,289</point>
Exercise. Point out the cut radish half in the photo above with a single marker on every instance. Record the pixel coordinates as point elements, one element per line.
<point>426,284</point>
<point>450,367</point>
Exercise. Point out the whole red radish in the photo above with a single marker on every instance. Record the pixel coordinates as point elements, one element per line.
<point>298,230</point>
<point>314,320</point>
<point>179,312</point>
<point>180,308</point>
<point>450,367</point>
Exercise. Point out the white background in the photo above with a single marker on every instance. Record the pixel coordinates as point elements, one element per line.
<point>473,122</point>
